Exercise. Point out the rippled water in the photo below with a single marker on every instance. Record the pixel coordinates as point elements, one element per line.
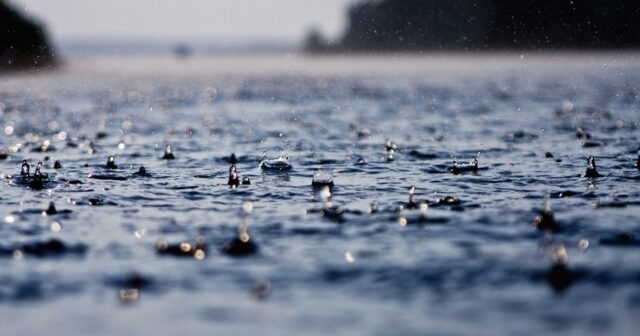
<point>480,267</point>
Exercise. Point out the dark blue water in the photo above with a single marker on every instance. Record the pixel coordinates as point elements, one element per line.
<point>113,263</point>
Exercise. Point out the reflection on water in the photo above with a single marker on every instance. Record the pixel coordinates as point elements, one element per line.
<point>168,231</point>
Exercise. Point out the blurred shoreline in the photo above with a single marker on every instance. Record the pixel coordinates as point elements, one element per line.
<point>339,65</point>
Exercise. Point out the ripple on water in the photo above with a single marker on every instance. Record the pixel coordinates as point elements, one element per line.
<point>464,251</point>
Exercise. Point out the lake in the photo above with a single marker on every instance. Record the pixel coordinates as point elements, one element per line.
<point>179,250</point>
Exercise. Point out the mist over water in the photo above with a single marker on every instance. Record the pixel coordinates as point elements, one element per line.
<point>323,263</point>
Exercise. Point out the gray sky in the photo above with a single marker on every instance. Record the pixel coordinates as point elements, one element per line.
<point>234,20</point>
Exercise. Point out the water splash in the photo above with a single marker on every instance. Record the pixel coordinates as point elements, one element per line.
<point>111,163</point>
<point>591,171</point>
<point>281,164</point>
<point>168,153</point>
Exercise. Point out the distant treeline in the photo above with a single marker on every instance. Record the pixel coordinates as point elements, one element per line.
<point>421,25</point>
<point>23,43</point>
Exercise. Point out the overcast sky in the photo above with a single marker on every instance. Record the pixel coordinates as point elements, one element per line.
<point>223,20</point>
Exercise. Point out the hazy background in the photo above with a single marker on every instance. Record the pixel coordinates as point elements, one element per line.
<point>76,26</point>
<point>183,28</point>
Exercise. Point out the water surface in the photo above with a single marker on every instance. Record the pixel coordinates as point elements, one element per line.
<point>478,268</point>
